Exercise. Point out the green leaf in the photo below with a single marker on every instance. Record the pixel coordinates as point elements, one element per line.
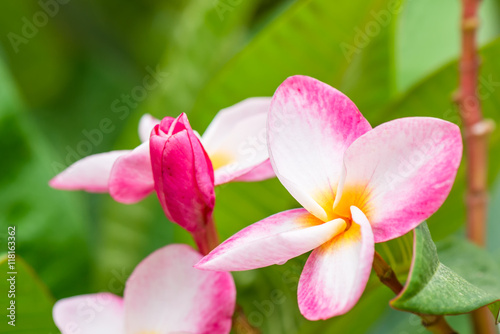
<point>493,224</point>
<point>310,38</point>
<point>33,303</point>
<point>187,61</point>
<point>427,36</point>
<point>394,321</point>
<point>21,39</point>
<point>434,288</point>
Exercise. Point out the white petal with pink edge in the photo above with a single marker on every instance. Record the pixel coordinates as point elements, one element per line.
<point>262,171</point>
<point>90,173</point>
<point>335,274</point>
<point>146,124</point>
<point>224,122</point>
<point>400,173</point>
<point>236,141</point>
<point>131,178</point>
<point>310,126</point>
<point>166,294</point>
<point>100,313</point>
<point>273,240</point>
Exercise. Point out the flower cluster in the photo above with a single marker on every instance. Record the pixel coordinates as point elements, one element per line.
<point>357,185</point>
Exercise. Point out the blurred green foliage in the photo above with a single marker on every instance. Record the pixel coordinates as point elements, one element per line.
<point>34,316</point>
<point>60,80</point>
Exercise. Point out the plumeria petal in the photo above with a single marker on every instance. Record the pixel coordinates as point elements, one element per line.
<point>236,141</point>
<point>262,171</point>
<point>273,240</point>
<point>146,124</point>
<point>310,126</point>
<point>400,173</point>
<point>183,174</point>
<point>90,173</point>
<point>166,294</point>
<point>335,275</point>
<point>156,145</point>
<point>227,119</point>
<point>100,313</point>
<point>131,178</point>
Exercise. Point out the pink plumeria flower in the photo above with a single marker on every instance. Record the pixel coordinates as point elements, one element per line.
<point>164,295</point>
<point>234,141</point>
<point>184,177</point>
<point>357,185</point>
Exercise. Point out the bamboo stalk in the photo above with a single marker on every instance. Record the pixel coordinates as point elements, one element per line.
<point>476,145</point>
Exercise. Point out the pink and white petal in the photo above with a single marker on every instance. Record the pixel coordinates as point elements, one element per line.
<point>273,240</point>
<point>401,173</point>
<point>310,126</point>
<point>222,126</point>
<point>90,173</point>
<point>100,313</point>
<point>131,178</point>
<point>236,139</point>
<point>260,172</point>
<point>146,125</point>
<point>335,274</point>
<point>166,294</point>
<point>232,173</point>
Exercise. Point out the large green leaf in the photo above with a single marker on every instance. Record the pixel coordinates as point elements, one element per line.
<point>187,61</point>
<point>394,321</point>
<point>427,36</point>
<point>310,39</point>
<point>50,230</point>
<point>33,303</point>
<point>434,288</point>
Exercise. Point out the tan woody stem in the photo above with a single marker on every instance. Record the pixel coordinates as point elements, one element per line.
<point>475,128</point>
<point>241,324</point>
<point>434,323</point>
<point>476,144</point>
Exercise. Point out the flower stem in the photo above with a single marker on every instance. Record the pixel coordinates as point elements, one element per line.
<point>206,240</point>
<point>434,323</point>
<point>241,324</point>
<point>476,143</point>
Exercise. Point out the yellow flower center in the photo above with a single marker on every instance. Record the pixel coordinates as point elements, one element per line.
<point>220,159</point>
<point>353,195</point>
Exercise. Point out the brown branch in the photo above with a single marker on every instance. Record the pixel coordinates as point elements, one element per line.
<point>241,324</point>
<point>434,323</point>
<point>476,144</point>
<point>475,128</point>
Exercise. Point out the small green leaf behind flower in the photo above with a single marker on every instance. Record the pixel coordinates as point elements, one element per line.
<point>469,281</point>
